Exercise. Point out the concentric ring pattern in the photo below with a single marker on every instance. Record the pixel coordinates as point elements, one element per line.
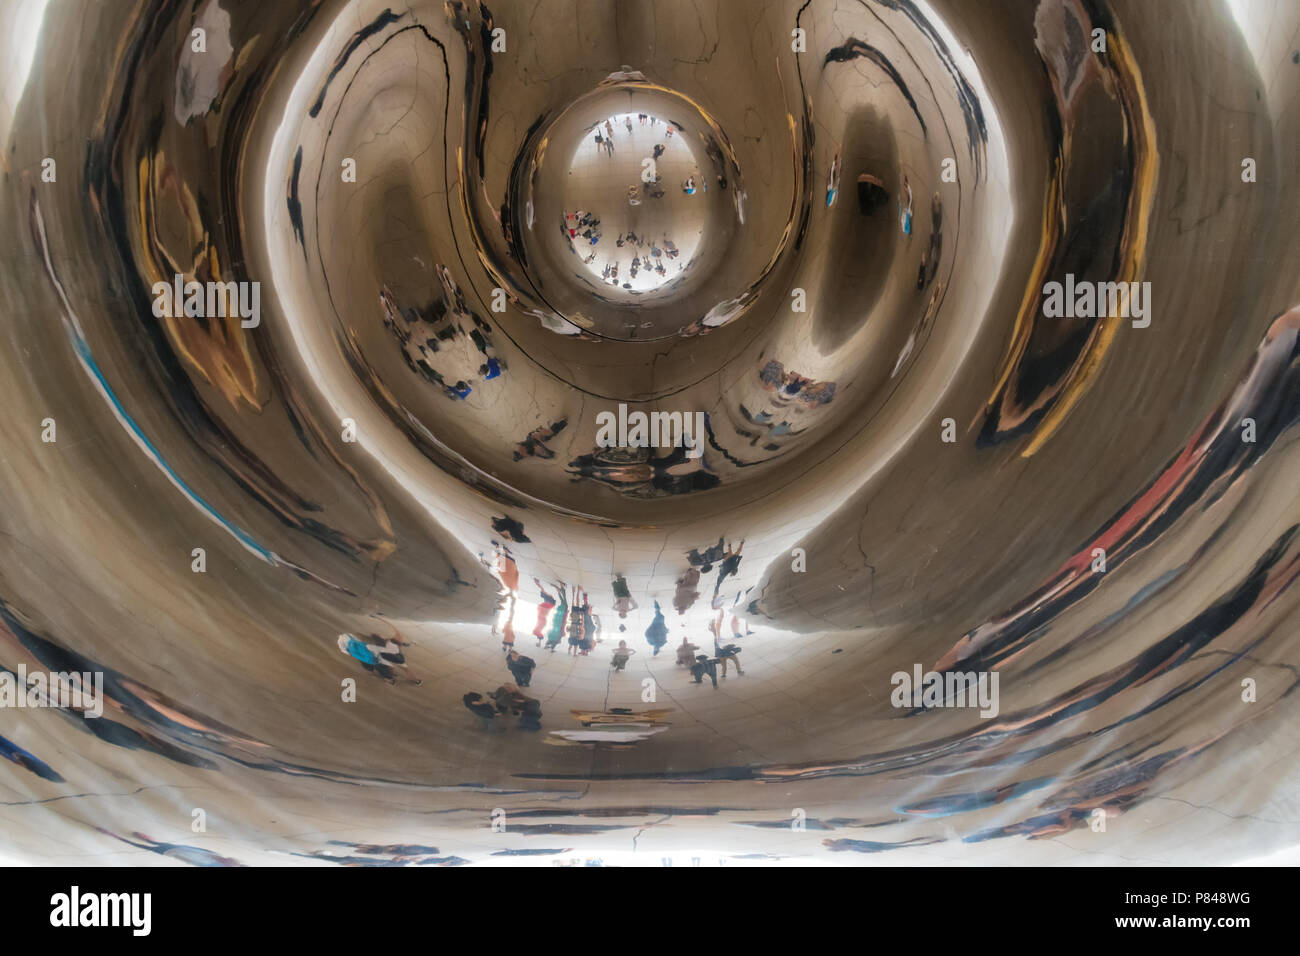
<point>639,430</point>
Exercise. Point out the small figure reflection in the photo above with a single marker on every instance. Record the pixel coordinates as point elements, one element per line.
<point>378,655</point>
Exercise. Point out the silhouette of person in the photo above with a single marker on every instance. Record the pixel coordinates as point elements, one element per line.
<point>657,632</point>
<point>521,668</point>
<point>704,666</point>
<point>621,655</point>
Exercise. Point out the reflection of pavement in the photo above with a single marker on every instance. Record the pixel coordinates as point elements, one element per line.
<point>627,734</point>
<point>598,184</point>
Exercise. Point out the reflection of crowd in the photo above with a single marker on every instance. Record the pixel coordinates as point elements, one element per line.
<point>445,341</point>
<point>652,261</point>
<point>583,230</point>
<point>565,610</point>
<point>603,133</point>
<point>507,700</point>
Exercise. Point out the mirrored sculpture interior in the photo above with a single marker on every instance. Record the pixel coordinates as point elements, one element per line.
<point>649,430</point>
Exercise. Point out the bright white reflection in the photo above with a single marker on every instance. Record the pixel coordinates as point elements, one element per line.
<point>634,211</point>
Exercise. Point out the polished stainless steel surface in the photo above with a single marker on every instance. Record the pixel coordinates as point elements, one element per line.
<point>821,234</point>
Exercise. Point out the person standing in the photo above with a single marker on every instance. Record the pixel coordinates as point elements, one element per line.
<point>543,612</point>
<point>686,652</point>
<point>621,655</point>
<point>575,624</point>
<point>657,633</point>
<point>521,668</point>
<point>622,594</point>
<point>730,565</point>
<point>686,593</point>
<point>727,654</point>
<point>905,212</point>
<point>556,633</point>
<point>508,632</point>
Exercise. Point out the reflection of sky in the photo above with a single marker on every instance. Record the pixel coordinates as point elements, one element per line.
<point>22,20</point>
<point>598,184</point>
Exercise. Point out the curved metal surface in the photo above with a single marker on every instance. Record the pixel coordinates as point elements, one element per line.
<point>474,247</point>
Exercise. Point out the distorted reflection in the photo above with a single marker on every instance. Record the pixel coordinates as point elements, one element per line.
<point>376,561</point>
<point>629,210</point>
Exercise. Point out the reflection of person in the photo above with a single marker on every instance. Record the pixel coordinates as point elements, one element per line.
<point>376,661</point>
<point>193,855</point>
<point>590,626</point>
<point>535,444</point>
<point>556,633</point>
<point>730,565</point>
<point>657,632</point>
<point>636,474</point>
<point>507,572</point>
<point>905,212</point>
<point>575,625</point>
<point>931,258</point>
<point>730,653</point>
<point>512,530</point>
<point>478,706</point>
<point>509,699</point>
<point>678,474</point>
<point>705,560</point>
<point>622,596</point>
<point>508,631</point>
<point>530,717</point>
<point>621,654</point>
<point>521,668</point>
<point>785,386</point>
<point>686,594</point>
<point>543,612</point>
<point>704,666</point>
<point>686,652</point>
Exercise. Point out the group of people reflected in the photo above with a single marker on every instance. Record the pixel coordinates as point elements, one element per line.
<point>506,701</point>
<point>638,260</point>
<point>566,618</point>
<point>444,340</point>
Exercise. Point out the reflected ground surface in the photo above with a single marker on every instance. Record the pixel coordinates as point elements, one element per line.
<point>396,478</point>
